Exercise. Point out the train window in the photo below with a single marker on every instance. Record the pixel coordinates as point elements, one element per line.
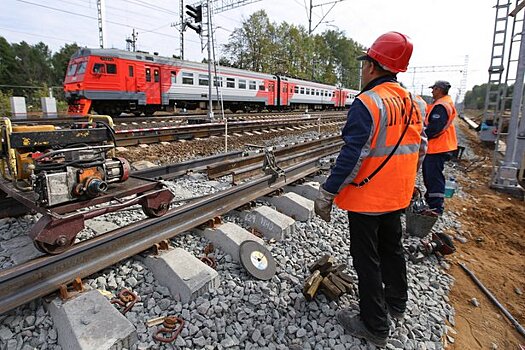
<point>284,89</point>
<point>82,68</point>
<point>317,92</point>
<point>261,87</point>
<point>253,85</point>
<point>111,68</point>
<point>326,93</point>
<point>307,91</point>
<point>203,80</point>
<point>187,78</point>
<point>156,75</point>
<point>130,71</point>
<point>217,81</point>
<point>173,77</point>
<point>242,84</point>
<point>72,69</point>
<point>230,82</point>
<point>302,90</point>
<point>99,68</point>
<point>296,89</point>
<point>148,74</point>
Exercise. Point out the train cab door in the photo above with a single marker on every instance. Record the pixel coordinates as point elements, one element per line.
<point>131,81</point>
<point>284,93</point>
<point>152,85</point>
<point>271,93</point>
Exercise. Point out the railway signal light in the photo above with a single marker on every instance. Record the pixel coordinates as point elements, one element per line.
<point>194,12</point>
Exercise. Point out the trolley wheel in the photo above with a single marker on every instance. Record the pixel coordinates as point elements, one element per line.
<point>52,249</point>
<point>156,212</point>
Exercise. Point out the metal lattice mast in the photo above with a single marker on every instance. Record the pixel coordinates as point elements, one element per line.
<point>508,158</point>
<point>496,68</point>
<point>101,17</point>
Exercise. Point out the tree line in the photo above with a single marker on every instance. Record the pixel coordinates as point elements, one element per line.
<point>281,48</point>
<point>258,45</point>
<point>30,70</point>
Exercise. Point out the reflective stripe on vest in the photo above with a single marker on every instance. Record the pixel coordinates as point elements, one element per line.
<point>392,187</point>
<point>445,141</point>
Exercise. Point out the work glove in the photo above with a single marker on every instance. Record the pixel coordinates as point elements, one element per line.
<point>323,203</point>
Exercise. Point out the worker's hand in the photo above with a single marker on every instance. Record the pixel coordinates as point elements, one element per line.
<point>323,203</point>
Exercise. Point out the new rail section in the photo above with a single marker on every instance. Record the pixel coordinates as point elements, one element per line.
<point>44,275</point>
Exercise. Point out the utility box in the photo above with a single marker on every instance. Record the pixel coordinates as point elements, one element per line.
<point>49,106</point>
<point>18,107</point>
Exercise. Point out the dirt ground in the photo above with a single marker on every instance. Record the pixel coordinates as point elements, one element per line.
<point>494,224</point>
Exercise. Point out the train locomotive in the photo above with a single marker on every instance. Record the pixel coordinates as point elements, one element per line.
<point>111,81</point>
<point>56,171</point>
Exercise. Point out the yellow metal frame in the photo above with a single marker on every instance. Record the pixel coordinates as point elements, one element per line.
<point>11,155</point>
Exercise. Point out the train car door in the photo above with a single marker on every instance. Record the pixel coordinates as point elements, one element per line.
<point>335,98</point>
<point>152,85</point>
<point>131,81</point>
<point>271,93</point>
<point>284,93</point>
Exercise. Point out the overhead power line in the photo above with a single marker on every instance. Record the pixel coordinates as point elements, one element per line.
<point>93,17</point>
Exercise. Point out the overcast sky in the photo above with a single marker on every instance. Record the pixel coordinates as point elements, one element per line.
<point>443,32</point>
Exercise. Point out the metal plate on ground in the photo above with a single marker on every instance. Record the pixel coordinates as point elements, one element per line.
<point>257,260</point>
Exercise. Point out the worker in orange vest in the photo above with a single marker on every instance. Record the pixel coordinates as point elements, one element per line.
<point>373,179</point>
<point>442,141</point>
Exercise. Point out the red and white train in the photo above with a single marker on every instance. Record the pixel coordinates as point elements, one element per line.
<point>111,81</point>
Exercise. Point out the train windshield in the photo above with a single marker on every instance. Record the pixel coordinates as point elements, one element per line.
<point>72,69</point>
<point>82,68</point>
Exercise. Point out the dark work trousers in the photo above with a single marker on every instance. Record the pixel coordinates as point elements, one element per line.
<point>434,180</point>
<point>375,246</point>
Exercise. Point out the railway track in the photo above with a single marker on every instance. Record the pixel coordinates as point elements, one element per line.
<point>146,132</point>
<point>130,137</point>
<point>176,118</point>
<point>25,282</point>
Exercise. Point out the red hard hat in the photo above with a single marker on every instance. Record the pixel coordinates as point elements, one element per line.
<point>392,50</point>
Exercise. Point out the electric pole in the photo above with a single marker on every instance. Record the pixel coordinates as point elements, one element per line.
<point>101,12</point>
<point>182,28</point>
<point>310,11</point>
<point>132,42</point>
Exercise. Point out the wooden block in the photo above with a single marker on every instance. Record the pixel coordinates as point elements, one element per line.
<point>334,269</point>
<point>330,289</point>
<point>311,285</point>
<point>322,264</point>
<point>341,284</point>
<point>346,277</point>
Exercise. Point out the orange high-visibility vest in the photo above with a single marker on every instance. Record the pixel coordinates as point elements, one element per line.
<point>445,141</point>
<point>391,188</point>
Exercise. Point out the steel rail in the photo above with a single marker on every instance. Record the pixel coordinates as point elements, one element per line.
<point>185,132</point>
<point>161,118</point>
<point>171,171</point>
<point>256,170</point>
<point>227,167</point>
<point>44,275</point>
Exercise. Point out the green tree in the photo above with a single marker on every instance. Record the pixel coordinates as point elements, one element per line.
<point>59,62</point>
<point>287,49</point>
<point>7,62</point>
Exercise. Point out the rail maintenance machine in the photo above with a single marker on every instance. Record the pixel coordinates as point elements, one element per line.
<point>56,171</point>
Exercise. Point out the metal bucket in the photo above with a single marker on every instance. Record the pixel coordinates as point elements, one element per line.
<point>419,225</point>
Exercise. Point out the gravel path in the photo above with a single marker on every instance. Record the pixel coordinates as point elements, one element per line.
<point>243,312</point>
